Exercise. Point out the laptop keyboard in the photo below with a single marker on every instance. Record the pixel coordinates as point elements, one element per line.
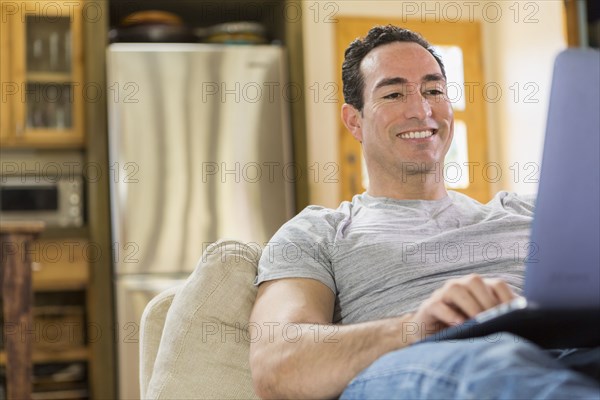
<point>516,304</point>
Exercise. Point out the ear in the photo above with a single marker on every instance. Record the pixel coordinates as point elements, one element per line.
<point>352,121</point>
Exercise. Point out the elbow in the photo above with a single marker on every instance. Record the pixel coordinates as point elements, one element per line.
<point>265,378</point>
<point>261,388</point>
<point>261,381</point>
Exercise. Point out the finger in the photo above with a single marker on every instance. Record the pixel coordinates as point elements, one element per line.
<point>501,290</point>
<point>446,314</point>
<point>459,296</point>
<point>481,291</point>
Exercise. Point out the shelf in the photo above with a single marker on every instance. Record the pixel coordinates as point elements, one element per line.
<point>49,77</point>
<point>60,286</point>
<point>53,232</point>
<point>60,355</point>
<point>60,394</point>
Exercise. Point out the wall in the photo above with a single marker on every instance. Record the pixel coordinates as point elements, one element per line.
<point>522,53</point>
<point>521,39</point>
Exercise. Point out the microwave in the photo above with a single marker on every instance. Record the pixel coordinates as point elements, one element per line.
<point>57,201</point>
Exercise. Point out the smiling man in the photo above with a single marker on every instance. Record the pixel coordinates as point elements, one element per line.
<point>344,294</point>
<point>403,119</point>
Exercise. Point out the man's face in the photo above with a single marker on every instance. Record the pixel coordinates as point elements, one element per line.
<point>407,121</point>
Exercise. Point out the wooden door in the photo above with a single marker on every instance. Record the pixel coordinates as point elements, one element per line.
<point>467,169</point>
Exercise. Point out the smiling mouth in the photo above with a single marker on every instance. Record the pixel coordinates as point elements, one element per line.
<point>417,134</point>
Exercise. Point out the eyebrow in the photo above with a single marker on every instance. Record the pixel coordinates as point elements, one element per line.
<point>403,81</point>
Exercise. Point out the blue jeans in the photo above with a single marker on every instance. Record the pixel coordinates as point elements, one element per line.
<point>501,366</point>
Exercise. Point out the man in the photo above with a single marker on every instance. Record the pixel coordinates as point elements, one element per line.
<point>346,293</point>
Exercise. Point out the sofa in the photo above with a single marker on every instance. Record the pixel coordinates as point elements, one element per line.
<point>194,339</point>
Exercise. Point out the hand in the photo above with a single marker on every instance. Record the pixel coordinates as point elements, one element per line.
<point>458,300</point>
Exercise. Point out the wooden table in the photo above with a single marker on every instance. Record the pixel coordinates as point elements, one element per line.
<point>15,281</point>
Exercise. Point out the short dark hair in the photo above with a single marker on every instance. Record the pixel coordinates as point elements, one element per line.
<point>352,79</point>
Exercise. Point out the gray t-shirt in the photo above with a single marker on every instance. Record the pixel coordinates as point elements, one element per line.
<point>382,257</point>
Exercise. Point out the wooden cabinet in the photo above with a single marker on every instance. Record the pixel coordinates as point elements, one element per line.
<point>46,46</point>
<point>15,297</point>
<point>60,332</point>
<point>42,74</point>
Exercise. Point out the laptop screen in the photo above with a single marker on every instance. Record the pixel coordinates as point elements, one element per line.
<point>563,266</point>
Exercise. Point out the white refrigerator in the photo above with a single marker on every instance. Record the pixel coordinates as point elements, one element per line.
<point>199,149</point>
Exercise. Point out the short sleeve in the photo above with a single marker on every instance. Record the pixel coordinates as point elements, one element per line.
<point>302,248</point>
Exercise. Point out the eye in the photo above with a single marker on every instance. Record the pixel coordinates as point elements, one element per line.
<point>434,92</point>
<point>393,96</point>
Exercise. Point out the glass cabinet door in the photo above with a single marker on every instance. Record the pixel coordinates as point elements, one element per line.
<point>47,65</point>
<point>48,73</point>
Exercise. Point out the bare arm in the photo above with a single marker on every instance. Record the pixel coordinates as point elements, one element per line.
<point>297,352</point>
<point>310,358</point>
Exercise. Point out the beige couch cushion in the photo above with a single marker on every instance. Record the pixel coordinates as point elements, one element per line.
<point>205,344</point>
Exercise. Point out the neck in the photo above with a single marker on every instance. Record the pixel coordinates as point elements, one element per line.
<point>420,186</point>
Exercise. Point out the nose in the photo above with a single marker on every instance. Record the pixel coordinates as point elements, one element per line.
<point>417,106</point>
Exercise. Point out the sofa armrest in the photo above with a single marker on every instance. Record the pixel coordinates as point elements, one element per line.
<point>205,345</point>
<point>151,329</point>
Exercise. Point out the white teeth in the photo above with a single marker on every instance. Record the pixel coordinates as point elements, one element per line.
<point>416,135</point>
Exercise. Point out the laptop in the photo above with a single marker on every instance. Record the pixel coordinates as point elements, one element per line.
<point>561,304</point>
